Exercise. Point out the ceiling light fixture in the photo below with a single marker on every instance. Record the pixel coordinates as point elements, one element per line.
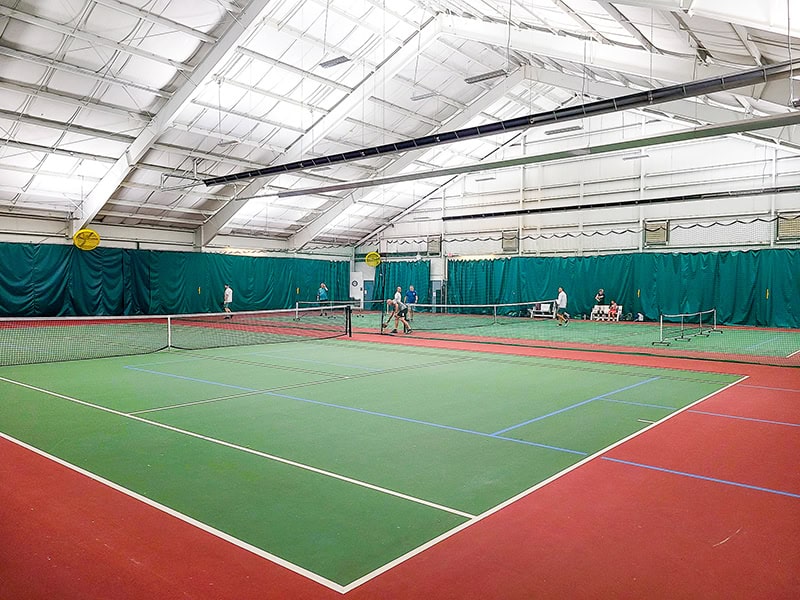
<point>490,178</point>
<point>334,61</point>
<point>486,76</point>
<point>635,156</point>
<point>564,130</point>
<point>424,96</point>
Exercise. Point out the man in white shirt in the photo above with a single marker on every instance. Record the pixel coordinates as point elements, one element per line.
<point>563,315</point>
<point>227,299</point>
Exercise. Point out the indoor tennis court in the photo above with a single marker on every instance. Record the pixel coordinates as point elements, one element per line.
<point>340,459</point>
<point>387,436</point>
<point>420,299</point>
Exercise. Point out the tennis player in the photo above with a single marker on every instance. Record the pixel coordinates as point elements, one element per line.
<point>322,297</point>
<point>411,300</point>
<point>399,313</point>
<point>227,300</point>
<point>563,315</point>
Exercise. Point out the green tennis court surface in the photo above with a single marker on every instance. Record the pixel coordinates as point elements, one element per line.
<point>741,342</point>
<point>334,456</point>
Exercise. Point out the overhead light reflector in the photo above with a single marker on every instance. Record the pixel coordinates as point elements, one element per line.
<point>564,130</point>
<point>486,76</point>
<point>333,62</point>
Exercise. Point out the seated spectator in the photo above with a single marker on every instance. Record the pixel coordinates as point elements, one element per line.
<point>600,298</point>
<point>613,310</point>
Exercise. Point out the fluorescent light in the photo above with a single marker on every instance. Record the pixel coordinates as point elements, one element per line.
<point>490,178</point>
<point>564,130</point>
<point>424,96</point>
<point>635,156</point>
<point>333,62</point>
<point>486,76</point>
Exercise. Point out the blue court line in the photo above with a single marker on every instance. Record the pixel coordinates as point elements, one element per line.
<point>703,477</point>
<point>426,423</point>
<point>767,387</point>
<point>235,387</point>
<point>561,410</point>
<point>772,339</point>
<point>701,412</point>
<point>643,404</point>
<point>315,362</point>
<point>364,411</point>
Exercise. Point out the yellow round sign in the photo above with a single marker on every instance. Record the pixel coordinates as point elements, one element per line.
<point>86,239</point>
<point>373,259</point>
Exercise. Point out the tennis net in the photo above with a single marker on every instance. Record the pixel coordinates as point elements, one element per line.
<point>52,339</point>
<point>683,327</point>
<point>432,317</point>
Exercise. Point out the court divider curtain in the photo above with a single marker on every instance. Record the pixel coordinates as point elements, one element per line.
<point>406,273</point>
<point>55,280</point>
<point>757,287</point>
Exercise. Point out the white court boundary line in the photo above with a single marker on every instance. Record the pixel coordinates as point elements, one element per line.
<point>178,515</point>
<point>244,545</point>
<point>524,493</point>
<point>472,519</point>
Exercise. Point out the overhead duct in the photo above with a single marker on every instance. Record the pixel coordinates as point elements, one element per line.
<point>592,109</point>
<point>695,133</point>
<point>768,191</point>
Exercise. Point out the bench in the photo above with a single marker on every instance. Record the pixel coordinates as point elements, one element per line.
<point>542,309</point>
<point>602,312</point>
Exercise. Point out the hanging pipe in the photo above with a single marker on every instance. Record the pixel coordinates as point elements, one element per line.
<point>592,109</point>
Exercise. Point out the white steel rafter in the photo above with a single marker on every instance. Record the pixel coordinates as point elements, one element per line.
<point>622,60</point>
<point>217,55</point>
<point>617,60</point>
<point>388,69</point>
<point>460,120</point>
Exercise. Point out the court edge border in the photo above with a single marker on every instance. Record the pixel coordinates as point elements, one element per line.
<point>388,566</point>
<point>178,515</point>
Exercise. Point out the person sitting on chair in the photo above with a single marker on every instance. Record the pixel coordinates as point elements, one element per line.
<point>613,310</point>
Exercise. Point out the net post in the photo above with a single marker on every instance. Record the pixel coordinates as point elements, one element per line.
<point>683,337</point>
<point>348,320</point>
<point>661,340</point>
<point>714,328</point>
<point>296,311</point>
<point>169,332</point>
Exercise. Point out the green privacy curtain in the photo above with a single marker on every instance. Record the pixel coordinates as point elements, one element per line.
<point>758,287</point>
<point>404,274</point>
<point>52,280</point>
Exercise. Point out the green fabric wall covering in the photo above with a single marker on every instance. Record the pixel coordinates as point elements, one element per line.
<point>758,287</point>
<point>405,273</point>
<point>50,280</point>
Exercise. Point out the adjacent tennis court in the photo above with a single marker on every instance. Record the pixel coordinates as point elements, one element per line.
<point>336,458</point>
<point>679,337</point>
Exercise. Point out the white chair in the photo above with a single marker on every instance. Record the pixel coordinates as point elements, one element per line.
<point>599,312</point>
